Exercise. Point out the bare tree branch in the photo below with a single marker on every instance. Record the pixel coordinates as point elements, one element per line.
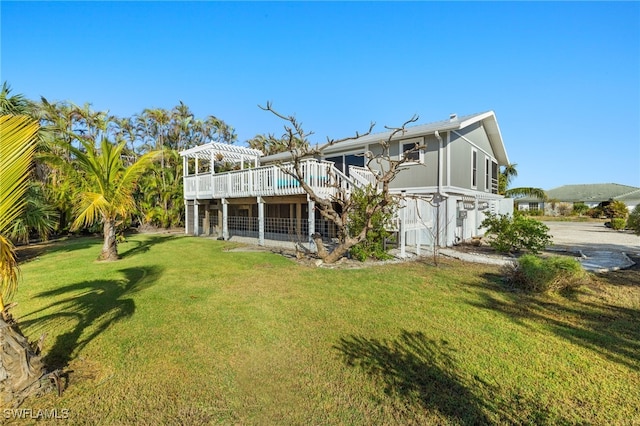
<point>338,207</point>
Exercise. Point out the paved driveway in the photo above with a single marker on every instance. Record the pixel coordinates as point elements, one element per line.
<point>588,236</point>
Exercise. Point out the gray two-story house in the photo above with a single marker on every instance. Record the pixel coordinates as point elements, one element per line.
<point>444,190</point>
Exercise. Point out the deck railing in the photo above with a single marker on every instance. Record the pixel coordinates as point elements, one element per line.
<point>362,175</point>
<point>322,176</point>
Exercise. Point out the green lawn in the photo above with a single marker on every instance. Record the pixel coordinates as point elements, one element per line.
<point>183,331</point>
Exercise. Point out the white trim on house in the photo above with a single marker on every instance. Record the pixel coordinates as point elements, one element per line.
<point>474,168</point>
<point>415,142</point>
<point>488,154</point>
<point>447,150</point>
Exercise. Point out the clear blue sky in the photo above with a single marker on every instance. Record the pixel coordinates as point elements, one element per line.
<point>563,78</point>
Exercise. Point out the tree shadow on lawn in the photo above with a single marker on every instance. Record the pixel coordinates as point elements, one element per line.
<point>610,330</point>
<point>73,243</point>
<point>131,248</point>
<point>422,371</point>
<point>93,306</point>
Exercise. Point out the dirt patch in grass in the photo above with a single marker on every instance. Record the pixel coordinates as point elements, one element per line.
<point>32,251</point>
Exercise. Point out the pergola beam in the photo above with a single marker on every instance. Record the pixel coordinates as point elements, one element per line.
<point>229,152</point>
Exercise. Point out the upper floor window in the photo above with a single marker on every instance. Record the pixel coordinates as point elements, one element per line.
<point>413,150</point>
<point>494,177</point>
<point>487,175</point>
<point>343,161</point>
<point>474,168</point>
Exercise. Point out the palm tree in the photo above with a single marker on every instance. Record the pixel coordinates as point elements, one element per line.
<point>17,145</point>
<point>13,104</point>
<point>38,217</point>
<point>217,130</point>
<point>506,177</point>
<point>104,188</point>
<point>22,371</point>
<point>181,126</point>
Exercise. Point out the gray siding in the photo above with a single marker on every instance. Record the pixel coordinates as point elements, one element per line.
<point>461,158</point>
<point>456,164</point>
<point>478,136</point>
<point>460,155</point>
<point>419,175</point>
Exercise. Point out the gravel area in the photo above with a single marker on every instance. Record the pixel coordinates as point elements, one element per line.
<point>592,236</point>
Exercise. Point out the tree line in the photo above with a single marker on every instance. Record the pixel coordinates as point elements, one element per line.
<point>71,137</point>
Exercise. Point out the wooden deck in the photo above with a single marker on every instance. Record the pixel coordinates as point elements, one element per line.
<point>274,180</point>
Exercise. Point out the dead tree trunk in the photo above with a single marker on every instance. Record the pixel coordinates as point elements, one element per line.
<point>22,371</point>
<point>338,207</point>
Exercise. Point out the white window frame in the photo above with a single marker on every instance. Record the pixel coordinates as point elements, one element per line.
<point>343,154</point>
<point>487,174</point>
<point>474,168</point>
<point>412,141</point>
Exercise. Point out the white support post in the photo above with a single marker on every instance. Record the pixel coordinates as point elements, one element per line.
<point>196,221</point>
<point>418,233</point>
<point>186,217</point>
<point>225,219</point>
<point>402,235</point>
<point>212,171</point>
<point>260,221</point>
<point>197,183</point>
<point>450,223</point>
<point>312,222</point>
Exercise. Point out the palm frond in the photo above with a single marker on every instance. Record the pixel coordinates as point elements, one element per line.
<point>8,271</point>
<point>90,207</point>
<point>526,192</point>
<point>38,216</point>
<point>17,145</point>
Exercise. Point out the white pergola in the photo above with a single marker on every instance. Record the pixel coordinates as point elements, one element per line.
<point>215,151</point>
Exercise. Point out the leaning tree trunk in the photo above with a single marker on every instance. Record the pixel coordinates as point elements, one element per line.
<point>109,248</point>
<point>22,371</point>
<point>337,252</point>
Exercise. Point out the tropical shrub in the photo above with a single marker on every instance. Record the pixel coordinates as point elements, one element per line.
<point>616,209</point>
<point>633,221</point>
<point>580,208</point>
<point>513,234</point>
<point>540,275</point>
<point>595,212</point>
<point>618,223</point>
